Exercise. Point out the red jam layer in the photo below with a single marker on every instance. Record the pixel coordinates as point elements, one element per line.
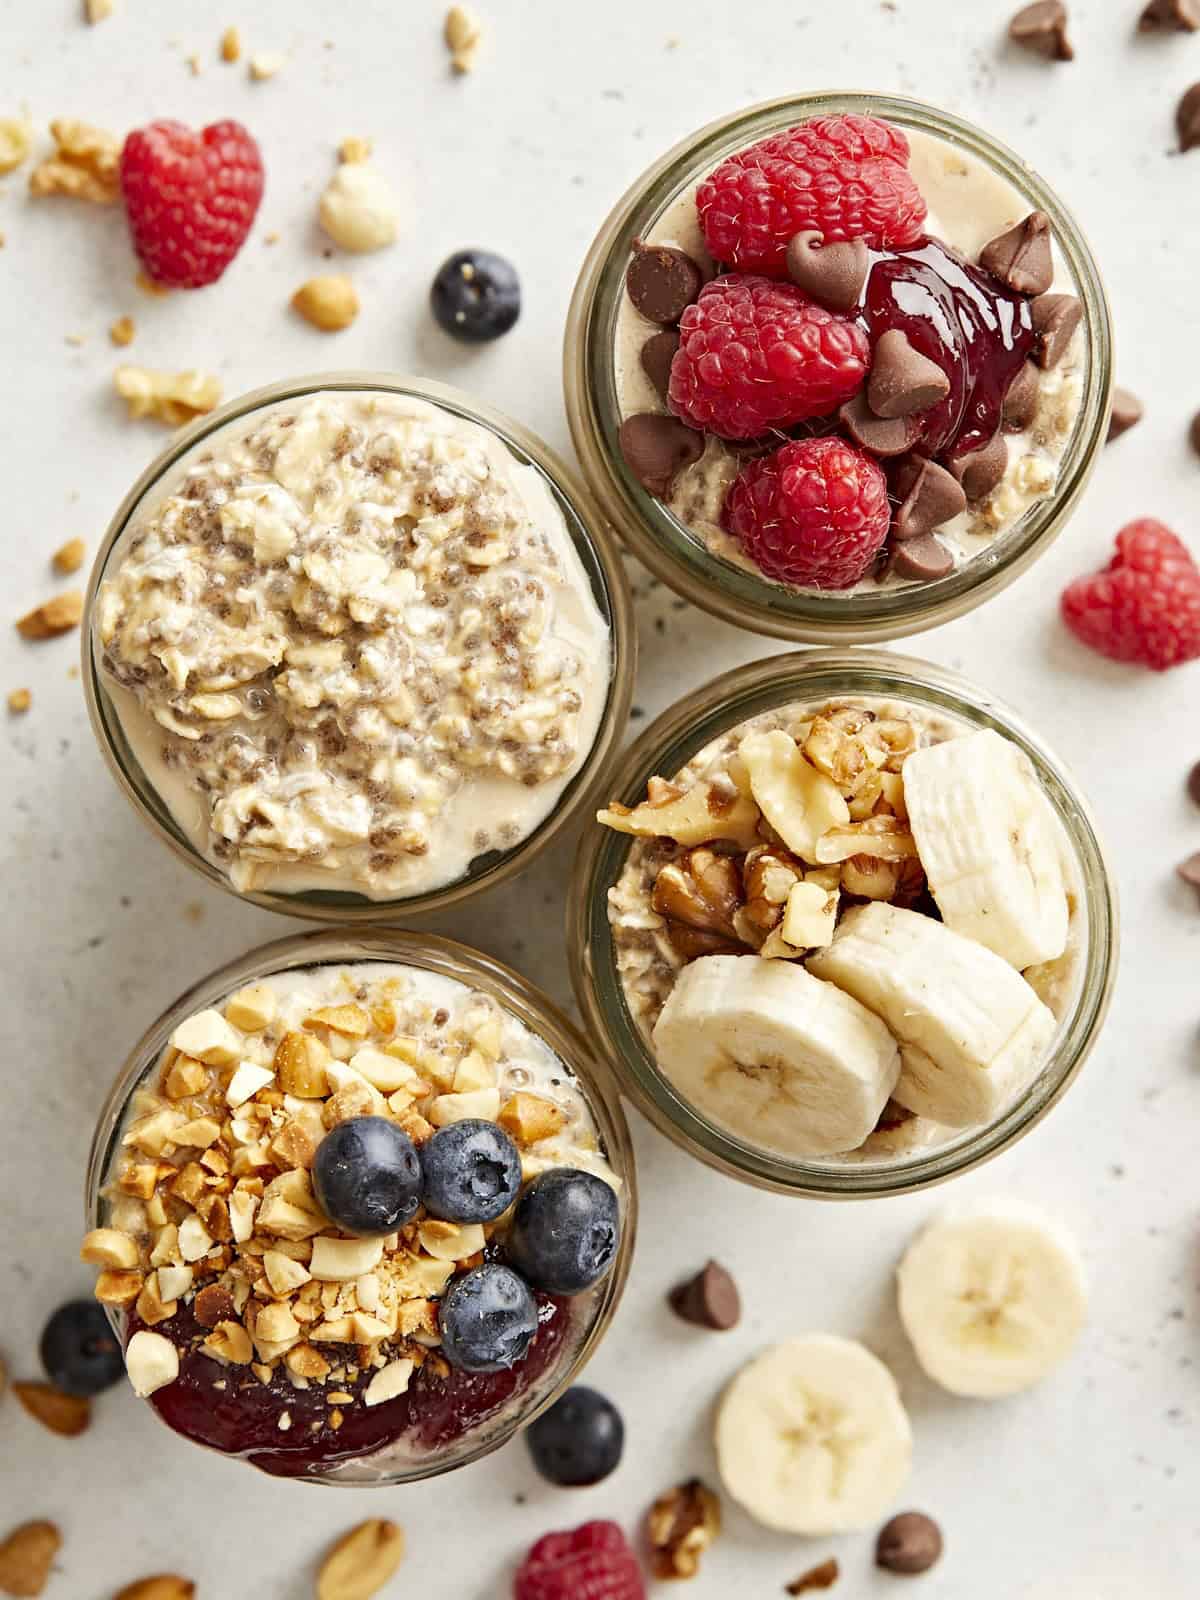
<point>228,1409</point>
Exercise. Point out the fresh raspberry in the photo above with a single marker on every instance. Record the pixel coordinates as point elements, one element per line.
<point>847,177</point>
<point>755,355</point>
<point>190,198</point>
<point>592,1563</point>
<point>813,512</point>
<point>1145,605</point>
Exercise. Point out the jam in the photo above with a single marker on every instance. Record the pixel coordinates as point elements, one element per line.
<point>228,1409</point>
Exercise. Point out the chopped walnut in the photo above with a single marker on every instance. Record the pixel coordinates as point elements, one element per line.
<point>170,397</point>
<point>681,1525</point>
<point>83,167</point>
<point>702,889</point>
<point>887,838</point>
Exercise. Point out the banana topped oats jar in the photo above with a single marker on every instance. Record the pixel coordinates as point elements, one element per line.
<point>356,644</point>
<point>845,925</point>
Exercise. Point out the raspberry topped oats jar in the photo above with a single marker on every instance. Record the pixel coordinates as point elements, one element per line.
<point>838,367</point>
<point>357,643</point>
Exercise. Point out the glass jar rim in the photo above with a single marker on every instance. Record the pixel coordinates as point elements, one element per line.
<point>663,749</point>
<point>677,556</point>
<point>594,542</point>
<point>449,958</point>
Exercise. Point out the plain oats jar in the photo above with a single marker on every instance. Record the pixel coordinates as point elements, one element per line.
<point>591,605</point>
<point>733,589</point>
<point>549,1038</point>
<point>812,679</point>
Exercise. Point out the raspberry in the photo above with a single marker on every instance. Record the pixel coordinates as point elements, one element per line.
<point>755,355</point>
<point>190,198</point>
<point>592,1563</point>
<point>847,177</point>
<point>814,512</point>
<point>1144,606</point>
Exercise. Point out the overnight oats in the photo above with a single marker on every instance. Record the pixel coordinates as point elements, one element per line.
<point>853,366</point>
<point>357,1221</point>
<point>352,648</point>
<point>849,931</point>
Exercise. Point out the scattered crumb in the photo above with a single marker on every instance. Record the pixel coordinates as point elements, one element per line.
<point>271,238</point>
<point>463,34</point>
<point>330,303</point>
<point>265,66</point>
<point>19,702</point>
<point>231,45</point>
<point>57,615</point>
<point>97,10</point>
<point>68,557</point>
<point>822,1577</point>
<point>122,331</point>
<point>2,241</point>
<point>354,149</point>
<point>195,63</point>
<point>76,339</point>
<point>83,167</point>
<point>16,141</point>
<point>148,286</point>
<point>674,42</point>
<point>73,670</point>
<point>170,397</point>
<point>194,911</point>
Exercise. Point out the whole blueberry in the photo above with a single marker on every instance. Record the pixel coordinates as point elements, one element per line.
<point>472,1171</point>
<point>488,1319</point>
<point>565,1231</point>
<point>579,1440</point>
<point>476,296</point>
<point>367,1176</point>
<point>79,1350</point>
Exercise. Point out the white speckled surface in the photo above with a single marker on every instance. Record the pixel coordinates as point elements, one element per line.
<point>1084,1490</point>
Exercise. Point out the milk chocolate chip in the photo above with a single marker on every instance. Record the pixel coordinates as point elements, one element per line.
<point>981,470</point>
<point>925,558</point>
<point>1021,400</point>
<point>929,496</point>
<point>1193,783</point>
<point>1126,414</point>
<point>1170,16</point>
<point>1042,27</point>
<point>1055,318</point>
<point>834,275</point>
<point>657,354</point>
<point>657,449</point>
<point>909,1543</point>
<point>709,1300</point>
<point>1187,118</point>
<point>1020,257</point>
<point>902,380</point>
<point>662,282</point>
<point>1194,433</point>
<point>882,436</point>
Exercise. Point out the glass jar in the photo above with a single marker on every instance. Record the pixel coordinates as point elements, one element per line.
<point>591,1313</point>
<point>677,555</point>
<point>813,678</point>
<point>597,551</point>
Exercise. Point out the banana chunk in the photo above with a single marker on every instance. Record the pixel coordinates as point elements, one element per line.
<point>993,1297</point>
<point>799,802</point>
<point>776,1056</point>
<point>972,1032</point>
<point>990,844</point>
<point>812,1437</point>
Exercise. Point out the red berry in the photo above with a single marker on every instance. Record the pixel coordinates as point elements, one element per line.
<point>813,512</point>
<point>592,1563</point>
<point>846,176</point>
<point>1145,605</point>
<point>190,198</point>
<point>755,355</point>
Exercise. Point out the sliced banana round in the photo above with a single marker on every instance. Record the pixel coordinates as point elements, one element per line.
<point>972,1032</point>
<point>812,1437</point>
<point>990,844</point>
<point>993,1296</point>
<point>776,1056</point>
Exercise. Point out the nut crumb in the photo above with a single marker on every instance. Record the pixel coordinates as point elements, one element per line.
<point>681,1525</point>
<point>148,286</point>
<point>16,141</point>
<point>354,149</point>
<point>463,34</point>
<point>68,557</point>
<point>122,331</point>
<point>98,10</point>
<point>265,65</point>
<point>195,64</point>
<point>83,166</point>
<point>271,238</point>
<point>57,615</point>
<point>231,45</point>
<point>329,303</point>
<point>823,1576</point>
<point>19,702</point>
<point>170,397</point>
<point>77,340</point>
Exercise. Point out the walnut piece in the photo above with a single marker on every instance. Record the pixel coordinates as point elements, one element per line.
<point>696,816</point>
<point>887,838</point>
<point>83,167</point>
<point>701,889</point>
<point>681,1525</point>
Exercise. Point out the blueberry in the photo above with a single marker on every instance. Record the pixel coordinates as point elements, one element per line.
<point>79,1350</point>
<point>488,1319</point>
<point>579,1440</point>
<point>565,1231</point>
<point>472,1172</point>
<point>367,1176</point>
<point>476,296</point>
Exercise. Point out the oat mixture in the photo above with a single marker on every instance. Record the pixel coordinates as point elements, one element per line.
<point>353,647</point>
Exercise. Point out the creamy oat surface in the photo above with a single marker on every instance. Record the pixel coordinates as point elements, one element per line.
<point>352,646</point>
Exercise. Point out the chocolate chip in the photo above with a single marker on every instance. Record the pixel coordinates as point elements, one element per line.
<point>657,449</point>
<point>1189,871</point>
<point>822,1577</point>
<point>1126,414</point>
<point>929,496</point>
<point>902,380</point>
<point>661,281</point>
<point>1170,16</point>
<point>882,436</point>
<point>1187,118</point>
<point>925,558</point>
<point>1020,257</point>
<point>1055,318</point>
<point>1194,433</point>
<point>1043,27</point>
<point>1193,783</point>
<point>710,1299</point>
<point>981,470</point>
<point>1021,400</point>
<point>834,275</point>
<point>911,1543</point>
<point>658,352</point>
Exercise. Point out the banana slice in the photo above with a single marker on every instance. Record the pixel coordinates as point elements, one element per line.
<point>972,1032</point>
<point>990,844</point>
<point>775,1056</point>
<point>812,1437</point>
<point>799,802</point>
<point>993,1297</point>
